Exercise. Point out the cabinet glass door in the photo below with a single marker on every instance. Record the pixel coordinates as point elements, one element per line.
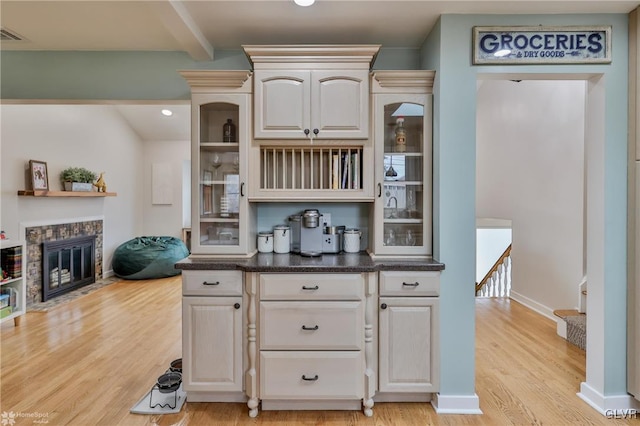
<point>405,195</point>
<point>219,207</point>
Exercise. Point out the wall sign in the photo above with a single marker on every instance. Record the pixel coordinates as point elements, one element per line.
<point>542,45</point>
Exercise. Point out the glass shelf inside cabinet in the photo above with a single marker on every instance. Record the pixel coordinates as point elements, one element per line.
<point>403,164</point>
<point>219,175</point>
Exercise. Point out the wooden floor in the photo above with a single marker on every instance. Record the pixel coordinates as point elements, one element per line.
<point>88,361</point>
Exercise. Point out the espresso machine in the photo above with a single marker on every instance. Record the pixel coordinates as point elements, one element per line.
<point>306,233</point>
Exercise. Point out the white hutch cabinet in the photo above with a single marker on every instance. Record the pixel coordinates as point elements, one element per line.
<point>220,211</point>
<point>311,333</point>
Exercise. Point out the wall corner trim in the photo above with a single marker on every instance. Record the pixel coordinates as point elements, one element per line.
<point>456,404</point>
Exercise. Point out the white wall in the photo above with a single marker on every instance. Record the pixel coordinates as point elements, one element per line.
<point>530,169</point>
<point>165,219</point>
<point>90,136</point>
<point>490,244</point>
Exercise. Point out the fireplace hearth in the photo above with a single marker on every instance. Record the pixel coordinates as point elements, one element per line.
<point>67,265</point>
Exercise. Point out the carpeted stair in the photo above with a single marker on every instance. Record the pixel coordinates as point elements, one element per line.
<point>576,327</point>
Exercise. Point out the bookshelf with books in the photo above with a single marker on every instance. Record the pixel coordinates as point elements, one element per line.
<point>13,298</point>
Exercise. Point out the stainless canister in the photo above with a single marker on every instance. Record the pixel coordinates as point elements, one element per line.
<point>311,218</point>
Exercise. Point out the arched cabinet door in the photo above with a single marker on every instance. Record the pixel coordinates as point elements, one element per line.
<point>328,104</point>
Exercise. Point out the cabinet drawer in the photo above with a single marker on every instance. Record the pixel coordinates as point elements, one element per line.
<point>311,287</point>
<point>212,283</point>
<point>327,325</point>
<point>406,283</point>
<point>305,375</point>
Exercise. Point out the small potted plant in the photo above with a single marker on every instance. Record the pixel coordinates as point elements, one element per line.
<point>77,179</point>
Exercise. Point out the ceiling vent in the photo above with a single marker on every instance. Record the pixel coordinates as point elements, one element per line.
<point>7,35</point>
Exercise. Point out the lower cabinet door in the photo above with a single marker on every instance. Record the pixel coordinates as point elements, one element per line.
<point>212,343</point>
<point>408,349</point>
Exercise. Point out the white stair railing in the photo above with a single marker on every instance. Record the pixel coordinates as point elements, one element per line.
<point>497,282</point>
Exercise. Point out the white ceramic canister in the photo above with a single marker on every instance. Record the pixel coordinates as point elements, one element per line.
<point>351,240</point>
<point>265,242</point>
<point>281,239</point>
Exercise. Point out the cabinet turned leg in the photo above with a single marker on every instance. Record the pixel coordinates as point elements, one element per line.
<point>16,321</point>
<point>253,407</point>
<point>368,407</point>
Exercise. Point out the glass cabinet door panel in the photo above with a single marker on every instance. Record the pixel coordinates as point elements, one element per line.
<point>219,205</point>
<point>403,163</point>
<point>219,123</point>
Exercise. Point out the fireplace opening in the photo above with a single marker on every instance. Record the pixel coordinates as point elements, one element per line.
<point>67,265</point>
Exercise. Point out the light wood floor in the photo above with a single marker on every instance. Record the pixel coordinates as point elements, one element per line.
<point>88,361</point>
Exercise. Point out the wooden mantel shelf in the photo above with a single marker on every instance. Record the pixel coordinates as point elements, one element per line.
<point>66,194</point>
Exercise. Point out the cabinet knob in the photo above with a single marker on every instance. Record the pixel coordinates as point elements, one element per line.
<point>310,379</point>
<point>306,132</point>
<point>236,305</point>
<point>316,131</point>
<point>383,306</point>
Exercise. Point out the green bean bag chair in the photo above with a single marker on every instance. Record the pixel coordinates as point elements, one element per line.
<point>144,258</point>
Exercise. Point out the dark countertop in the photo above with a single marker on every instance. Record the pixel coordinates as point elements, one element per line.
<point>290,262</point>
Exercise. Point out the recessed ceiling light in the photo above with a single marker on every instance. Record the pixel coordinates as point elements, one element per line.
<point>167,112</point>
<point>304,2</point>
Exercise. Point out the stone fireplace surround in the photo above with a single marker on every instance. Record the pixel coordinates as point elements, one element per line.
<point>37,233</point>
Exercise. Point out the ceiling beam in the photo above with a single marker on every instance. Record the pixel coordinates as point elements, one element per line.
<point>181,25</point>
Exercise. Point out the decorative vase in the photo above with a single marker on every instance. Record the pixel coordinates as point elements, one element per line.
<point>78,186</point>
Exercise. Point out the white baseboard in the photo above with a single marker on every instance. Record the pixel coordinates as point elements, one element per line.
<point>456,404</point>
<point>108,274</point>
<point>608,405</point>
<point>532,304</point>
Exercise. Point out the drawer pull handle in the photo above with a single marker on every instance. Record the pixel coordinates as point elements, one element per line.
<point>304,287</point>
<point>236,305</point>
<point>416,284</point>
<point>304,327</point>
<point>310,379</point>
<point>208,283</point>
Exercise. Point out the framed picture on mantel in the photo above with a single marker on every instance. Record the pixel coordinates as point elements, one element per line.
<point>39,175</point>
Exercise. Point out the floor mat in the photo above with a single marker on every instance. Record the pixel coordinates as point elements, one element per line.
<point>155,402</point>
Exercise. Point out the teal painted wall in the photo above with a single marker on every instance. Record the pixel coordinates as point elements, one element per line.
<point>448,51</point>
<point>104,75</point>
<point>128,75</point>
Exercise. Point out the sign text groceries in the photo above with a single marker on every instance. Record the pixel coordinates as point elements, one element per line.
<point>541,45</point>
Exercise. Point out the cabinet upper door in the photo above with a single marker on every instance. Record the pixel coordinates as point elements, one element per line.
<point>281,102</point>
<point>340,104</point>
<point>329,104</point>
